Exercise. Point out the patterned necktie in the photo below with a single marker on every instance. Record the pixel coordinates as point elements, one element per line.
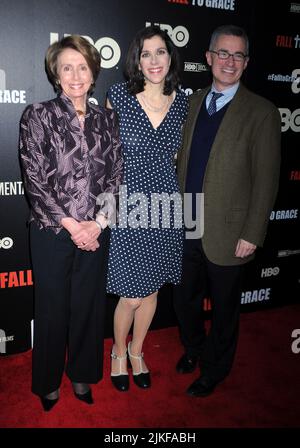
<point>212,107</point>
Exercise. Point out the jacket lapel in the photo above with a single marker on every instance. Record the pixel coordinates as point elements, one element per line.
<point>195,106</point>
<point>232,123</point>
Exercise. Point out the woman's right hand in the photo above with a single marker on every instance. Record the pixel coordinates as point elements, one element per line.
<point>88,232</point>
<point>90,247</point>
<point>80,236</point>
<point>71,225</point>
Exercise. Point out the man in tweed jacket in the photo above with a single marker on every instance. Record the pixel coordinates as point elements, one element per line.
<point>231,153</point>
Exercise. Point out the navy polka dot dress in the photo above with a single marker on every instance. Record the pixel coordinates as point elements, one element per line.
<point>146,252</point>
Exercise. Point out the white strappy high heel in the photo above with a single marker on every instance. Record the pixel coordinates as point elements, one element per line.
<point>142,377</point>
<point>121,379</point>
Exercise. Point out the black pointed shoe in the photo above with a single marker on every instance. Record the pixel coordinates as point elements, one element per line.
<point>187,364</point>
<point>120,380</point>
<point>86,397</point>
<point>83,392</point>
<point>47,402</point>
<point>142,378</point>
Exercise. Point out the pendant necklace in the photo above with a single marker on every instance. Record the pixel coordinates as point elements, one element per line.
<point>81,117</point>
<point>154,108</point>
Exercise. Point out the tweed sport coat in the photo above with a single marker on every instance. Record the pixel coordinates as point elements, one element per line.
<point>242,174</point>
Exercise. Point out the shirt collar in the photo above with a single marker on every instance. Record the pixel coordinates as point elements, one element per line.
<point>229,93</point>
<point>70,105</point>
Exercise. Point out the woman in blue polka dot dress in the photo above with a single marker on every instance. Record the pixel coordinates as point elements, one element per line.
<point>146,246</point>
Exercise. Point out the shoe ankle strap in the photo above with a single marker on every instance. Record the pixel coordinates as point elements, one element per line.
<point>120,358</point>
<point>141,356</point>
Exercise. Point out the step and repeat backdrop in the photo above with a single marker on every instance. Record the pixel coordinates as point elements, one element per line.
<point>28,27</point>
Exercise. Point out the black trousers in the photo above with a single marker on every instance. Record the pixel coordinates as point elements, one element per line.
<point>70,295</point>
<point>200,279</point>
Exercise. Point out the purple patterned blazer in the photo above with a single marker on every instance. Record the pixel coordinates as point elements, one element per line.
<point>65,167</point>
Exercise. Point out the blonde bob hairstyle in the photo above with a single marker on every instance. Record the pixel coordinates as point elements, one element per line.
<point>78,43</point>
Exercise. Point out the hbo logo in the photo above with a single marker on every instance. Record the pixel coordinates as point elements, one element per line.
<point>268,272</point>
<point>179,35</point>
<point>290,119</point>
<point>108,48</point>
<point>6,243</point>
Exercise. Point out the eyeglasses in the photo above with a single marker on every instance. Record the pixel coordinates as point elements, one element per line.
<point>224,54</point>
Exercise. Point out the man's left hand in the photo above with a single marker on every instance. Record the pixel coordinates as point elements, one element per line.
<point>244,248</point>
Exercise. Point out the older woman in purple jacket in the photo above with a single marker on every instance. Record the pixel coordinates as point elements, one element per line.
<point>70,154</point>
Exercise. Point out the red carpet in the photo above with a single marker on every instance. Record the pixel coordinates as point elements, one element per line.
<point>261,392</point>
